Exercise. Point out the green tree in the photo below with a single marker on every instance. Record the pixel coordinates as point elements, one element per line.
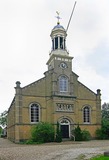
<point>105,111</point>
<point>105,128</point>
<point>105,121</point>
<point>43,132</point>
<point>58,134</point>
<point>3,119</point>
<point>103,132</point>
<point>0,130</point>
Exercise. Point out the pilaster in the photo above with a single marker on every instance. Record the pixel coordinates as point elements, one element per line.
<point>18,105</point>
<point>98,106</point>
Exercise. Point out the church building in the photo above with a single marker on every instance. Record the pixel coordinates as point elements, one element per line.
<point>56,97</point>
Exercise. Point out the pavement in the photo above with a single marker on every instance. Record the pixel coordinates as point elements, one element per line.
<point>67,150</point>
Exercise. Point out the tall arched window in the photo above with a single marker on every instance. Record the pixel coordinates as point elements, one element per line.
<point>34,113</point>
<point>63,84</point>
<point>86,114</point>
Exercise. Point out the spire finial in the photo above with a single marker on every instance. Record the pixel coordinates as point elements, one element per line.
<point>58,17</point>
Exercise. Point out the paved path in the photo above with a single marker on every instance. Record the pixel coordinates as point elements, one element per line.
<point>52,151</point>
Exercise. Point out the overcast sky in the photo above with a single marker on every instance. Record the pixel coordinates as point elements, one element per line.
<point>25,43</point>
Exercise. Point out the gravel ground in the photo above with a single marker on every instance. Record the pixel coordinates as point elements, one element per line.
<point>52,151</point>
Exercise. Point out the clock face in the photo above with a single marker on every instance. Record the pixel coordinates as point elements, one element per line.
<point>63,65</point>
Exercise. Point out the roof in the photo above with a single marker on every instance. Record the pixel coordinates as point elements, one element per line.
<point>58,26</point>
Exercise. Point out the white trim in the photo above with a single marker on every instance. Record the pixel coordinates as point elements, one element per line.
<point>62,86</point>
<point>87,115</point>
<point>30,112</point>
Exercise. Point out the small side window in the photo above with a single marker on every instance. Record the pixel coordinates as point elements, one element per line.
<point>86,114</point>
<point>34,113</point>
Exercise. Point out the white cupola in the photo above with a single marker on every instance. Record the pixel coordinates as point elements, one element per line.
<point>58,52</point>
<point>58,36</point>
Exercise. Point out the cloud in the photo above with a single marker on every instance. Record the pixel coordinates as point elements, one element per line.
<point>99,58</point>
<point>25,28</point>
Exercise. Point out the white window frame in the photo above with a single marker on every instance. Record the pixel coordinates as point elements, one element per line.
<point>87,115</point>
<point>35,114</point>
<point>63,83</point>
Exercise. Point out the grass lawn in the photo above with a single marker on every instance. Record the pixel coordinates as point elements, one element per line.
<point>100,158</point>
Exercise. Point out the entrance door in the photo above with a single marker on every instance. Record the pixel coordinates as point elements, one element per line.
<point>65,131</point>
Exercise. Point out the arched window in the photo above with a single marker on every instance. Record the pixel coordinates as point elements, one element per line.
<point>86,114</point>
<point>34,113</point>
<point>63,84</point>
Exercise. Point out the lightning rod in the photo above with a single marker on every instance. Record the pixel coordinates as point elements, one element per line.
<point>71,16</point>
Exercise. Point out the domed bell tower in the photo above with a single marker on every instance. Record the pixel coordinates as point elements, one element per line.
<point>58,36</point>
<point>59,51</point>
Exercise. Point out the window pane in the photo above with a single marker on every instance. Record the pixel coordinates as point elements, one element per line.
<point>86,114</point>
<point>63,84</point>
<point>61,42</point>
<point>56,42</point>
<point>34,113</point>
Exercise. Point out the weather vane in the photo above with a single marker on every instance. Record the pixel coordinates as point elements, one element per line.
<point>58,17</point>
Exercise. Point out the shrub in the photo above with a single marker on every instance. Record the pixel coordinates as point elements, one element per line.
<point>99,134</point>
<point>81,135</point>
<point>43,132</point>
<point>58,134</point>
<point>103,132</point>
<point>86,135</point>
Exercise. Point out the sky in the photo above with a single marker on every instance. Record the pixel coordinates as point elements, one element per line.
<point>25,43</point>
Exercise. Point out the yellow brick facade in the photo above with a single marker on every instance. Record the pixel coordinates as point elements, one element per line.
<point>58,100</point>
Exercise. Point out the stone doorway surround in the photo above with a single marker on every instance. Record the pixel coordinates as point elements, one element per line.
<point>65,127</point>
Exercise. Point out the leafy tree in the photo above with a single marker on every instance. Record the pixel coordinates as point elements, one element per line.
<point>3,119</point>
<point>0,130</point>
<point>43,132</point>
<point>105,121</point>
<point>103,132</point>
<point>105,128</point>
<point>58,134</point>
<point>105,111</point>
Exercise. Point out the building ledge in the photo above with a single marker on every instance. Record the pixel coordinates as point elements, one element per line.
<point>63,94</point>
